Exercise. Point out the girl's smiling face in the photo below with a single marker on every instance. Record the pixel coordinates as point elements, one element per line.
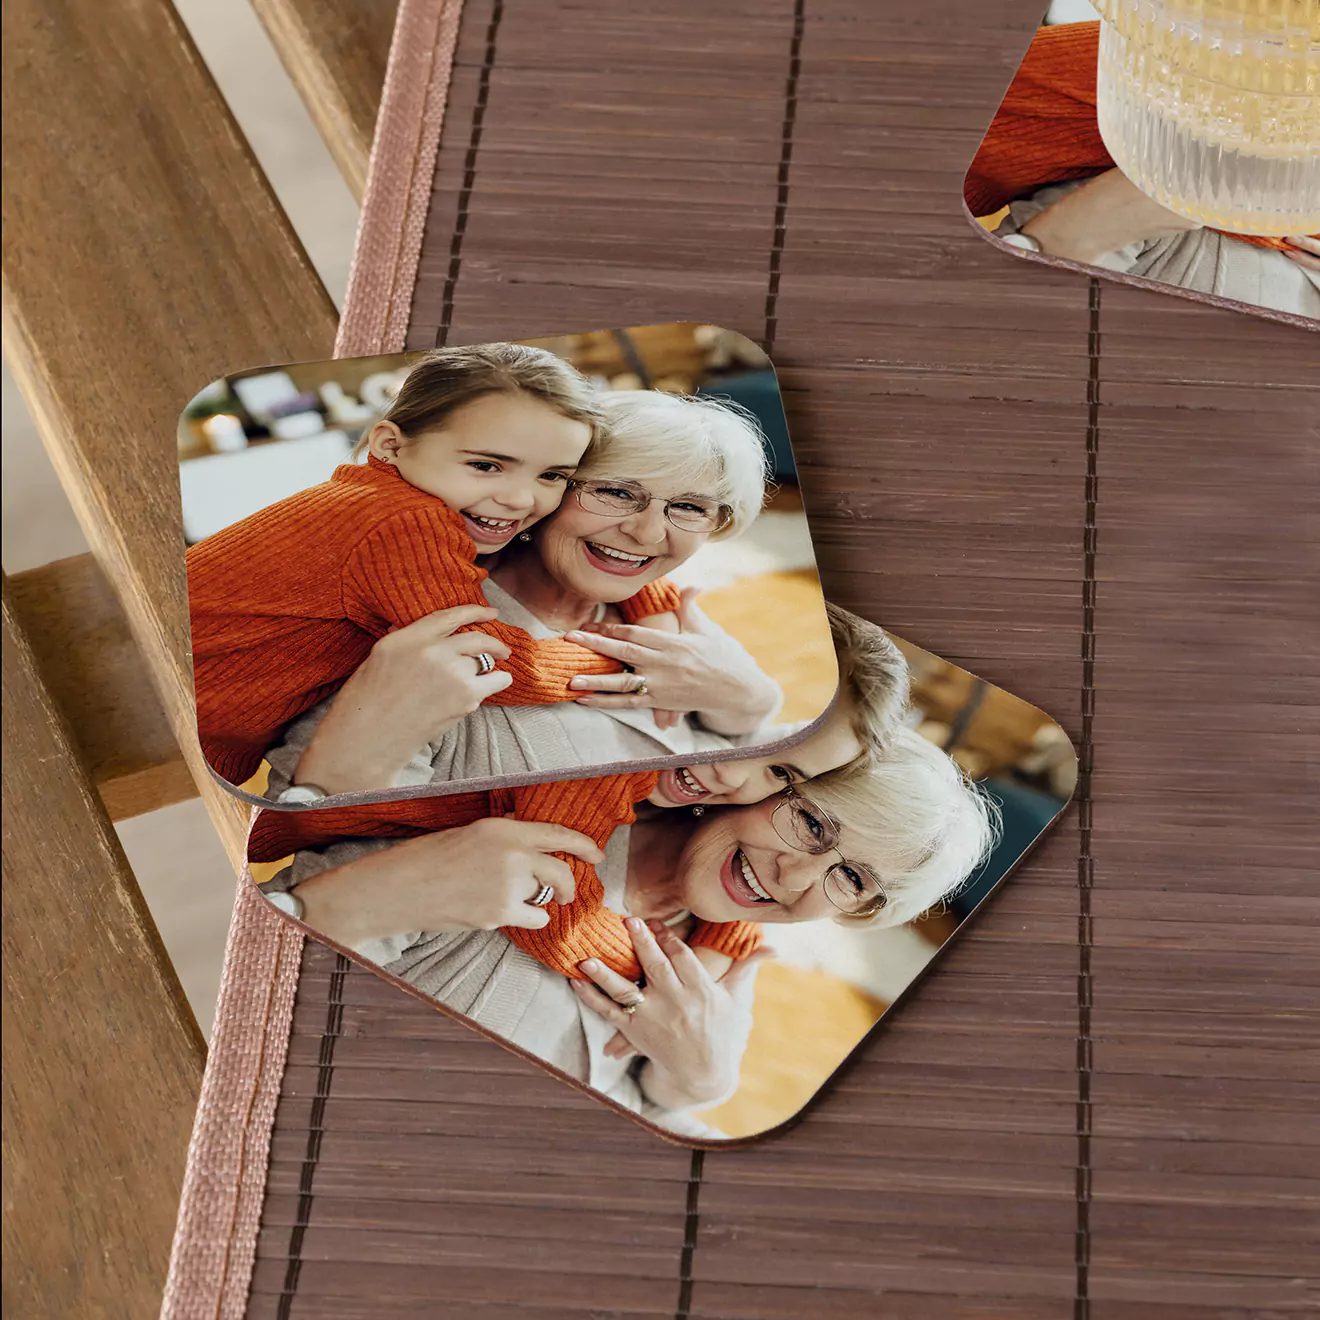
<point>607,558</point>
<point>501,461</point>
<point>737,783</point>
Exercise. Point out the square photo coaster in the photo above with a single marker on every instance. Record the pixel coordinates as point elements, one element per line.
<point>702,947</point>
<point>498,564</point>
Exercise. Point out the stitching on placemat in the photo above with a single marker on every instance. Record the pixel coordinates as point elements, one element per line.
<point>469,176</point>
<point>1085,861</point>
<point>325,1067</point>
<point>785,165</point>
<point>691,1226</point>
<point>410,193</point>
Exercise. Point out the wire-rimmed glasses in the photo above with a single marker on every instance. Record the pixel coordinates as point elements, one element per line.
<point>852,887</point>
<point>622,499</point>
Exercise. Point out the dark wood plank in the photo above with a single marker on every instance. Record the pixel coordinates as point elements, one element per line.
<point>94,671</point>
<point>1208,671</point>
<point>102,1056</point>
<point>145,255</point>
<point>336,51</point>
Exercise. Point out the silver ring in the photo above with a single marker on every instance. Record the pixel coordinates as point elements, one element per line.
<point>632,1007</point>
<point>640,689</point>
<point>485,663</point>
<point>541,897</point>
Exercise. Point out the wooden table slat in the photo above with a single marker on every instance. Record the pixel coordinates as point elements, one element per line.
<point>94,670</point>
<point>143,259</point>
<point>336,51</point>
<point>102,1055</point>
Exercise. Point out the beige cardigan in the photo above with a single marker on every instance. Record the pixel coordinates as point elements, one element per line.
<point>481,975</point>
<point>1201,260</point>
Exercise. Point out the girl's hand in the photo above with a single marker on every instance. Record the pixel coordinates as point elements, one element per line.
<point>417,682</point>
<point>475,877</point>
<point>691,1028</point>
<point>700,669</point>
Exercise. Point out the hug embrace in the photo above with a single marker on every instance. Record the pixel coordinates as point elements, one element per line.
<point>486,597</point>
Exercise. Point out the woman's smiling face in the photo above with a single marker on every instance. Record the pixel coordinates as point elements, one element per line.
<point>608,558</point>
<point>736,868</point>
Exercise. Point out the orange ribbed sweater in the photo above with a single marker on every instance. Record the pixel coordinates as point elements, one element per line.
<point>287,604</point>
<point>1045,131</point>
<point>582,929</point>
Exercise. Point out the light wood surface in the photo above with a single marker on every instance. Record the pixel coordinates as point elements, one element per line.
<point>335,51</point>
<point>94,672</point>
<point>102,1055</point>
<point>145,255</point>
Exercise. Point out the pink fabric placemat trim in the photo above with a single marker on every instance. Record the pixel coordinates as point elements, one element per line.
<point>225,1182</point>
<point>399,179</point>
<point>224,1187</point>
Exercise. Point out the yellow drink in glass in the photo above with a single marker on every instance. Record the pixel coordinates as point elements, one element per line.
<point>1212,107</point>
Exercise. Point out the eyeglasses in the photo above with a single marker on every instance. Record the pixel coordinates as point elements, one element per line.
<point>850,886</point>
<point>622,499</point>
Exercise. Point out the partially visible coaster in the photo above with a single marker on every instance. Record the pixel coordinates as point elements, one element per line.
<point>1044,181</point>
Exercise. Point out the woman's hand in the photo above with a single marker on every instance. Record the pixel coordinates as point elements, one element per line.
<point>474,877</point>
<point>691,1028</point>
<point>1106,213</point>
<point>416,683</point>
<point>1304,251</point>
<point>699,669</point>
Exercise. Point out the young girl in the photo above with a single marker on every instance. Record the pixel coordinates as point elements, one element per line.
<point>478,444</point>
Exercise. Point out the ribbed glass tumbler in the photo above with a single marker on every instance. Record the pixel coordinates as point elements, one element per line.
<point>1212,107</point>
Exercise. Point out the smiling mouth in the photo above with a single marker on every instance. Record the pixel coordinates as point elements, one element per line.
<point>740,882</point>
<point>491,529</point>
<point>617,561</point>
<point>682,785</point>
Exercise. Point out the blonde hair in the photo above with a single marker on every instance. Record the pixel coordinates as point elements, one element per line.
<point>873,679</point>
<point>915,819</point>
<point>444,380</point>
<point>702,445</point>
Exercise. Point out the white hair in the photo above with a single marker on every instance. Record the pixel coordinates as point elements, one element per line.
<point>702,445</point>
<point>915,819</point>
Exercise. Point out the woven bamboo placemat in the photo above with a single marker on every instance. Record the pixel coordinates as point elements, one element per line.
<point>1101,498</point>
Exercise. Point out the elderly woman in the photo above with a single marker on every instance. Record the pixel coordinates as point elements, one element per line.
<point>670,474</point>
<point>426,909</point>
<point>879,842</point>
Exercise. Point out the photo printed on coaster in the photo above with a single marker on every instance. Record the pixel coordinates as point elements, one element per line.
<point>700,947</point>
<point>487,565</point>
<point>1125,145</point>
